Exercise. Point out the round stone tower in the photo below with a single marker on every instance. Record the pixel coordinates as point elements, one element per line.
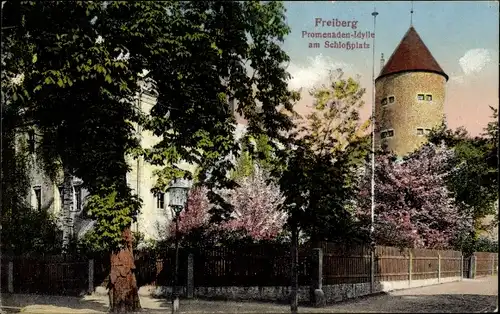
<point>409,99</point>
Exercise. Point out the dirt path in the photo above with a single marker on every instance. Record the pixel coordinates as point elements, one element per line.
<point>480,295</point>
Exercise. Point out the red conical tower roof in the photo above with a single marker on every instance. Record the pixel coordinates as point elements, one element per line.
<point>411,55</point>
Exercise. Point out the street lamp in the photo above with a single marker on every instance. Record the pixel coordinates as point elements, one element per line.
<point>177,194</point>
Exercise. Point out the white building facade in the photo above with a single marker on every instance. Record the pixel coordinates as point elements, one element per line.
<point>155,215</point>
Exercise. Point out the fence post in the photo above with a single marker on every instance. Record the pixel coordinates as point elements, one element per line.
<point>475,266</point>
<point>10,277</point>
<point>372,267</point>
<point>410,268</point>
<point>461,267</point>
<point>190,277</point>
<point>472,267</point>
<point>317,296</point>
<point>91,276</point>
<point>470,270</point>
<point>439,267</point>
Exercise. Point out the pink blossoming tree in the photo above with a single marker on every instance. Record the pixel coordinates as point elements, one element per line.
<point>196,214</point>
<point>256,209</point>
<point>413,206</point>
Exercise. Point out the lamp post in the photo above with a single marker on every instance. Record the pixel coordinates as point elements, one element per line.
<point>178,194</point>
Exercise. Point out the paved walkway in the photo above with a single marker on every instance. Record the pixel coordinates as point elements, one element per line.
<point>480,295</point>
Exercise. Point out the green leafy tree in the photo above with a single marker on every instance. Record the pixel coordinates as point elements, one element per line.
<point>486,245</point>
<point>492,156</point>
<point>232,36</point>
<point>257,153</point>
<point>243,167</point>
<point>320,168</point>
<point>80,80</point>
<point>474,182</point>
<point>331,146</point>
<point>318,172</point>
<point>79,96</point>
<point>24,229</point>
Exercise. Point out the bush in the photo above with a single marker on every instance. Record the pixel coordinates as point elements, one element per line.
<point>468,245</point>
<point>28,231</point>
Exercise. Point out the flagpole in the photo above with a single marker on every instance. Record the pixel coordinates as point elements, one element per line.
<point>372,212</point>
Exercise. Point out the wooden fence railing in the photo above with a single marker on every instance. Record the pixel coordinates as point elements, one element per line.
<point>345,263</point>
<point>46,274</point>
<point>4,280</point>
<point>257,265</point>
<point>249,266</point>
<point>391,264</point>
<point>485,263</point>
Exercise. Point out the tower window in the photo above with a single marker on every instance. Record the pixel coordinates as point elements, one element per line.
<point>31,141</point>
<point>384,101</point>
<point>160,200</point>
<point>78,195</point>
<point>428,97</point>
<point>420,96</point>
<point>392,99</point>
<point>61,195</point>
<point>38,197</point>
<point>422,131</point>
<point>387,133</point>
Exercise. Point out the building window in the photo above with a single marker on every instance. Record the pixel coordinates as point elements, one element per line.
<point>78,196</point>
<point>61,195</point>
<point>424,97</point>
<point>31,141</point>
<point>38,197</point>
<point>384,101</point>
<point>422,131</point>
<point>160,200</point>
<point>387,133</point>
<point>392,99</point>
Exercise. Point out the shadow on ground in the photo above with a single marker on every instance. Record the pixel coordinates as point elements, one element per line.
<point>386,303</point>
<point>382,303</point>
<point>11,302</point>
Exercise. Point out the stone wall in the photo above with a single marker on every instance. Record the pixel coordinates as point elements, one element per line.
<point>333,293</point>
<point>277,294</point>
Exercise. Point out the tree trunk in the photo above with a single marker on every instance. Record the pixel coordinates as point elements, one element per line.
<point>123,292</point>
<point>294,298</point>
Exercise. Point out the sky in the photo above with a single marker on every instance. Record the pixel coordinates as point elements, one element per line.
<point>463,36</point>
